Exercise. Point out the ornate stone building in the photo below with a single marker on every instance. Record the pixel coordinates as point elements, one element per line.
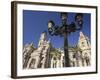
<point>37,57</point>
<point>79,55</point>
<point>46,56</point>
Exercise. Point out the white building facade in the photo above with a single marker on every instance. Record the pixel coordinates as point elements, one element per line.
<point>39,57</point>
<point>44,57</point>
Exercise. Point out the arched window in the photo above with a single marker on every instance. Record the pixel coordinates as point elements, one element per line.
<point>32,63</point>
<point>87,60</point>
<point>83,44</point>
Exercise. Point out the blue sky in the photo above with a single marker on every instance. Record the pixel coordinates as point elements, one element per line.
<point>35,22</point>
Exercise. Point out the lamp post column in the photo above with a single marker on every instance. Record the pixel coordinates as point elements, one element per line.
<point>66,53</point>
<point>64,30</point>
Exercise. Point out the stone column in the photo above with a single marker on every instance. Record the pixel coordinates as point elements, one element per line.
<point>62,59</point>
<point>80,62</point>
<point>28,64</point>
<point>74,62</point>
<point>51,62</point>
<point>43,61</point>
<point>37,60</point>
<point>58,63</point>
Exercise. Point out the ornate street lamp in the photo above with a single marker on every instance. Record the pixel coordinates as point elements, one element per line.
<point>64,30</point>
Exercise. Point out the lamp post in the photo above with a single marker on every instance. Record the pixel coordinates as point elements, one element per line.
<point>64,30</point>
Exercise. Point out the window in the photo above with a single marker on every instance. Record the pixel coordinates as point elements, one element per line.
<point>32,63</point>
<point>82,42</point>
